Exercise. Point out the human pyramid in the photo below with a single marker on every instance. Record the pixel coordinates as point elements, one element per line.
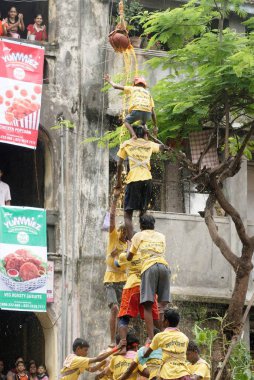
<point>137,276</point>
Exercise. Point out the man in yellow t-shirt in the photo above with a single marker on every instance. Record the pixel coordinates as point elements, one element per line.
<point>141,104</point>
<point>138,191</point>
<point>114,278</point>
<point>174,346</point>
<point>155,273</point>
<point>198,367</point>
<point>78,362</point>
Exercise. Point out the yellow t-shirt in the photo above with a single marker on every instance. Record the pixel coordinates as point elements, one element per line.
<point>151,245</point>
<point>139,99</point>
<point>114,274</point>
<point>200,368</point>
<point>119,364</point>
<point>133,270</point>
<point>174,346</point>
<point>74,362</point>
<point>139,152</point>
<point>153,366</point>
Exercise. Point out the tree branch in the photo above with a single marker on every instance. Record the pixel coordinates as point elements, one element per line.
<point>216,238</point>
<point>234,214</point>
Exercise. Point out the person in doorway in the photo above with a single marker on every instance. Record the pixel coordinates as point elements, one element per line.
<point>3,31</point>
<point>5,194</point>
<point>37,31</point>
<point>2,375</point>
<point>21,371</point>
<point>114,278</point>
<point>138,191</point>
<point>120,363</point>
<point>12,372</point>
<point>78,362</point>
<point>141,107</point>
<point>32,369</point>
<point>14,23</point>
<point>42,372</point>
<point>130,304</point>
<point>174,346</point>
<point>150,246</point>
<point>198,367</point>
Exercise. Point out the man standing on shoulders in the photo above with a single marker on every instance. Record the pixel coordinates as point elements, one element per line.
<point>138,191</point>
<point>199,368</point>
<point>155,273</point>
<point>5,194</point>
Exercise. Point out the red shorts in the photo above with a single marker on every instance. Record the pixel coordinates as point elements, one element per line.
<point>130,304</point>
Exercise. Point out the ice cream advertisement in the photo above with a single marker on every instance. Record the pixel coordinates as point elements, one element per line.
<point>23,259</point>
<point>21,77</point>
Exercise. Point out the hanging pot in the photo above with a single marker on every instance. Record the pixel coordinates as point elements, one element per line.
<point>119,40</point>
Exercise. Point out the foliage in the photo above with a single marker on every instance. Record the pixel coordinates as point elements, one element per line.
<point>241,362</point>
<point>205,337</point>
<point>64,124</point>
<point>131,10</point>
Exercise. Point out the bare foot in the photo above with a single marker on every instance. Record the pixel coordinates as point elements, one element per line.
<point>122,351</point>
<point>112,345</point>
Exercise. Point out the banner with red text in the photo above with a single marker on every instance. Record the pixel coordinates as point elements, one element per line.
<point>21,78</point>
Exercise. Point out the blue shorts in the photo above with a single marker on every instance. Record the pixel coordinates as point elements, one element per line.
<point>138,116</point>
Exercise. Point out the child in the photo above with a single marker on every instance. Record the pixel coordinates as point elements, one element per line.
<point>77,363</point>
<point>150,245</point>
<point>141,107</point>
<point>120,363</point>
<point>174,346</point>
<point>114,278</point>
<point>42,372</point>
<point>153,362</point>
<point>138,191</point>
<point>198,367</point>
<point>21,371</point>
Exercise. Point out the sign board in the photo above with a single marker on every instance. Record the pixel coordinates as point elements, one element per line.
<point>23,259</point>
<point>21,78</point>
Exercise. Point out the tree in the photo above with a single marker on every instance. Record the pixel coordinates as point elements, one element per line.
<point>211,86</point>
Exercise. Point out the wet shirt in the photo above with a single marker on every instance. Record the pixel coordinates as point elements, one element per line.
<point>72,362</point>
<point>133,270</point>
<point>114,274</point>
<point>201,368</point>
<point>174,346</point>
<point>139,99</point>
<point>151,246</point>
<point>120,363</point>
<point>139,152</point>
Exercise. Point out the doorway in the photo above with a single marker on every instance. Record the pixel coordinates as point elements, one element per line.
<point>21,335</point>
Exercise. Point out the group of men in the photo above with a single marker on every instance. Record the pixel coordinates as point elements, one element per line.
<point>137,276</point>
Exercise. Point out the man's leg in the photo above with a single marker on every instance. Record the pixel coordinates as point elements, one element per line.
<point>128,223</point>
<point>113,323</point>
<point>163,289</point>
<point>149,318</point>
<point>130,129</point>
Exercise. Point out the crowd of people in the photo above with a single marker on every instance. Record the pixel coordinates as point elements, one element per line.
<point>13,25</point>
<point>22,372</point>
<point>137,277</point>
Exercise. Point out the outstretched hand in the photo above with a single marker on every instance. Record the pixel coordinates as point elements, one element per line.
<point>107,78</point>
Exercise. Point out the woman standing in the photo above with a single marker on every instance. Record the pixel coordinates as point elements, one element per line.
<point>37,31</point>
<point>14,23</point>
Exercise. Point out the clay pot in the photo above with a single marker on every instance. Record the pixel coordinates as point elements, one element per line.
<point>119,40</point>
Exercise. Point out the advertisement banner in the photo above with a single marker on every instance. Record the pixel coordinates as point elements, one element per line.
<point>23,259</point>
<point>21,78</point>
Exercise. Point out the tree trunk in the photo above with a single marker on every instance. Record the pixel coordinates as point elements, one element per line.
<point>235,310</point>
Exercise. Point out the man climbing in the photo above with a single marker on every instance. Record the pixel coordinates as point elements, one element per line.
<point>114,278</point>
<point>138,191</point>
<point>141,104</point>
<point>199,368</point>
<point>174,346</point>
<point>150,246</point>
